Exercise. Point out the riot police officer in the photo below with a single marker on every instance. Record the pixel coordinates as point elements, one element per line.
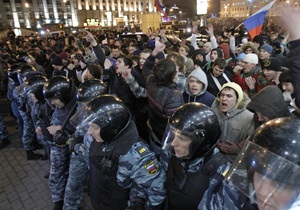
<point>40,110</point>
<point>13,82</point>
<point>123,171</point>
<point>24,107</point>
<point>60,93</point>
<point>79,147</point>
<point>266,173</point>
<point>189,141</point>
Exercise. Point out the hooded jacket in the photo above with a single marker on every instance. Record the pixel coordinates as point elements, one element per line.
<point>270,103</point>
<point>237,124</point>
<point>202,97</point>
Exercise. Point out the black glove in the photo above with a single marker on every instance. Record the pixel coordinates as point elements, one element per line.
<point>138,204</point>
<point>61,138</point>
<point>73,142</point>
<point>23,107</point>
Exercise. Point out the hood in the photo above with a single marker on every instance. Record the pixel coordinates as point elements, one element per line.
<point>269,102</point>
<point>239,108</point>
<point>199,74</point>
<point>226,50</point>
<point>240,94</point>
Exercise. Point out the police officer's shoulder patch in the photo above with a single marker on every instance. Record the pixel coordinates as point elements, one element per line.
<point>141,150</point>
<point>151,167</point>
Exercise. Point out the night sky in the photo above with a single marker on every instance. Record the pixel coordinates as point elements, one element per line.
<point>188,7</point>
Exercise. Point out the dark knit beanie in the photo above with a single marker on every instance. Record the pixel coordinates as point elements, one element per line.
<point>57,61</point>
<point>273,63</point>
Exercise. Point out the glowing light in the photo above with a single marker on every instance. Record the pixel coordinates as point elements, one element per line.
<point>202,7</point>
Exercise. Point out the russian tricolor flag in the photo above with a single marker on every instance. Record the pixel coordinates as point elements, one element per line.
<point>255,22</point>
<point>159,7</point>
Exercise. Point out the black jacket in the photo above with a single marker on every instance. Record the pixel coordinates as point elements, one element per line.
<point>163,99</point>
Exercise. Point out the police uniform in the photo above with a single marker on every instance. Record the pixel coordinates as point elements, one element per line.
<point>3,131</point>
<point>78,173</point>
<point>124,172</point>
<point>59,155</point>
<point>63,89</point>
<point>79,147</point>
<point>28,136</point>
<point>14,105</point>
<point>189,172</point>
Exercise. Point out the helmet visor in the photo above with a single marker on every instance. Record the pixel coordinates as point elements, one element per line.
<point>265,177</point>
<point>178,143</point>
<point>83,117</point>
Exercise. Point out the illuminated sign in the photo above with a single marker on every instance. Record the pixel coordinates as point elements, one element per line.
<point>92,22</point>
<point>202,7</point>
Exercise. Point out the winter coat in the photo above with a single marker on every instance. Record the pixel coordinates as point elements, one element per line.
<point>163,99</point>
<point>237,124</point>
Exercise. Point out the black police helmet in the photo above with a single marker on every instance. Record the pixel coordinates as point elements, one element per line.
<point>58,87</point>
<point>35,85</point>
<point>112,116</point>
<point>23,70</point>
<point>198,122</point>
<point>30,74</point>
<point>281,137</point>
<point>91,89</point>
<point>13,73</point>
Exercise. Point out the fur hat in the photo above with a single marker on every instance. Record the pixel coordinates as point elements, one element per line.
<point>251,58</point>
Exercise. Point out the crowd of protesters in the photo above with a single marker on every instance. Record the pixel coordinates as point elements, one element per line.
<point>156,123</point>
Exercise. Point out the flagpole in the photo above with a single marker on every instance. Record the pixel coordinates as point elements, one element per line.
<point>239,25</point>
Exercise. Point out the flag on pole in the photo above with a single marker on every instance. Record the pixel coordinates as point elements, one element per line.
<point>255,22</point>
<point>159,7</point>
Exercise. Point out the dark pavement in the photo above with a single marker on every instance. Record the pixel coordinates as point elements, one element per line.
<point>22,182</point>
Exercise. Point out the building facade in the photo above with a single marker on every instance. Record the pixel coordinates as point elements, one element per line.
<point>34,14</point>
<point>245,8</point>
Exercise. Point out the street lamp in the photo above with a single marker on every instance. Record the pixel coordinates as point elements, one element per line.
<point>174,7</point>
<point>180,12</point>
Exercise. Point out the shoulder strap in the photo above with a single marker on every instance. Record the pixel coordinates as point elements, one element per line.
<point>211,166</point>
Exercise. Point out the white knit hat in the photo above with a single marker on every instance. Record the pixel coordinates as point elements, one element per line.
<point>251,58</point>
